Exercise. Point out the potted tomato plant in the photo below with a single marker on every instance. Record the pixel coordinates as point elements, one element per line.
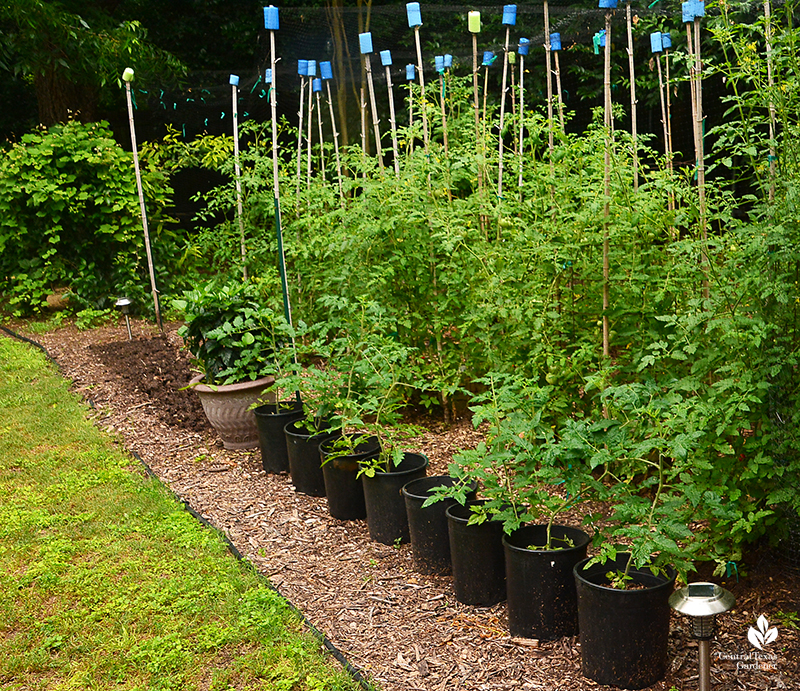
<point>229,330</point>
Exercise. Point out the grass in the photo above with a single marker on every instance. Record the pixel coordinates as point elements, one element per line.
<point>106,582</point>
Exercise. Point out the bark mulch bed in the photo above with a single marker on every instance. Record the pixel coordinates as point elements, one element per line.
<point>404,630</point>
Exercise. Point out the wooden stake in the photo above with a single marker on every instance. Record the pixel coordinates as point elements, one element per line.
<point>607,184</point>
<point>300,136</point>
<point>142,209</point>
<point>238,174</point>
<point>335,140</point>
<point>634,124</point>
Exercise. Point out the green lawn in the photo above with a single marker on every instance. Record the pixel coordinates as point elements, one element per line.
<point>106,582</point>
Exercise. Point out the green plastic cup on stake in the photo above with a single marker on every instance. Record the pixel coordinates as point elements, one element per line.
<point>127,78</point>
<point>474,26</point>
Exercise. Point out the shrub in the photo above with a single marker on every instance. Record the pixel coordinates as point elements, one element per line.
<point>69,218</point>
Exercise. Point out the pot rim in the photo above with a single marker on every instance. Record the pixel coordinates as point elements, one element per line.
<point>408,471</point>
<point>196,384</point>
<point>584,538</point>
<point>585,577</point>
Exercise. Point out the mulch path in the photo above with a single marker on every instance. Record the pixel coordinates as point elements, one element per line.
<point>403,629</point>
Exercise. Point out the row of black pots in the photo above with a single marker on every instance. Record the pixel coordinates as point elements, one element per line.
<point>550,594</point>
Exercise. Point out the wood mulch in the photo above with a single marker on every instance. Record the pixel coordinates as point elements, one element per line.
<point>404,630</point>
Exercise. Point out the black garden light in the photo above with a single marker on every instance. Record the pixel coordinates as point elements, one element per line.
<point>124,306</point>
<point>702,602</point>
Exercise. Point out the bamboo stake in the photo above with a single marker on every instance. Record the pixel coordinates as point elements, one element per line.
<point>509,20</point>
<point>386,61</point>
<point>512,60</point>
<point>302,70</point>
<point>127,77</point>
<point>234,82</point>
<point>411,77</point>
<point>415,21</point>
<point>666,40</point>
<point>701,168</point>
<point>770,100</point>
<point>634,124</point>
<point>439,63</point>
<point>326,70</point>
<point>474,26</point>
<point>523,48</point>
<point>312,72</point>
<point>555,49</point>
<point>365,41</point>
<point>548,69</point>
<point>609,4</point>
<point>316,87</point>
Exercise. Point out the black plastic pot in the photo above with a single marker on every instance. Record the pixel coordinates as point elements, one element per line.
<point>271,420</point>
<point>383,496</point>
<point>476,555</point>
<point>624,633</point>
<point>343,486</point>
<point>427,527</point>
<point>542,602</point>
<point>305,466</point>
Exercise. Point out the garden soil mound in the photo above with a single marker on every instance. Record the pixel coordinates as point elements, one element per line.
<point>405,630</point>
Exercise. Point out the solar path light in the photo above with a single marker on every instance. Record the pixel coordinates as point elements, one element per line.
<point>702,602</point>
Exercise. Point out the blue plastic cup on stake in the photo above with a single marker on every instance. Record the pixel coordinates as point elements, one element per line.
<point>555,41</point>
<point>438,62</point>
<point>312,68</point>
<point>365,43</point>
<point>687,11</point>
<point>386,58</point>
<point>608,4</point>
<point>326,70</point>
<point>268,75</point>
<point>656,43</point>
<point>488,58</point>
<point>411,73</point>
<point>448,61</point>
<point>234,80</point>
<point>271,21</point>
<point>414,14</point>
<point>302,68</point>
<point>316,85</point>
<point>509,15</point>
<point>524,46</point>
<point>666,40</point>
<point>699,8</point>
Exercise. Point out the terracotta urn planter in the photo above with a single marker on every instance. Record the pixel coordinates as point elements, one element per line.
<point>227,408</point>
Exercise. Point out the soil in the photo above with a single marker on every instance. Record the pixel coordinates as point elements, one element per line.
<point>403,629</point>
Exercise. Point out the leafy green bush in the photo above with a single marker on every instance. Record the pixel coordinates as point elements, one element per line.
<point>69,218</point>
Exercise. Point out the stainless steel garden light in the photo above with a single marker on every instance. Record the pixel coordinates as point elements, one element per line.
<point>702,602</point>
<point>124,306</point>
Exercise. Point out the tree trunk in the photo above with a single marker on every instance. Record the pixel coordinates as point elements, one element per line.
<point>59,99</point>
